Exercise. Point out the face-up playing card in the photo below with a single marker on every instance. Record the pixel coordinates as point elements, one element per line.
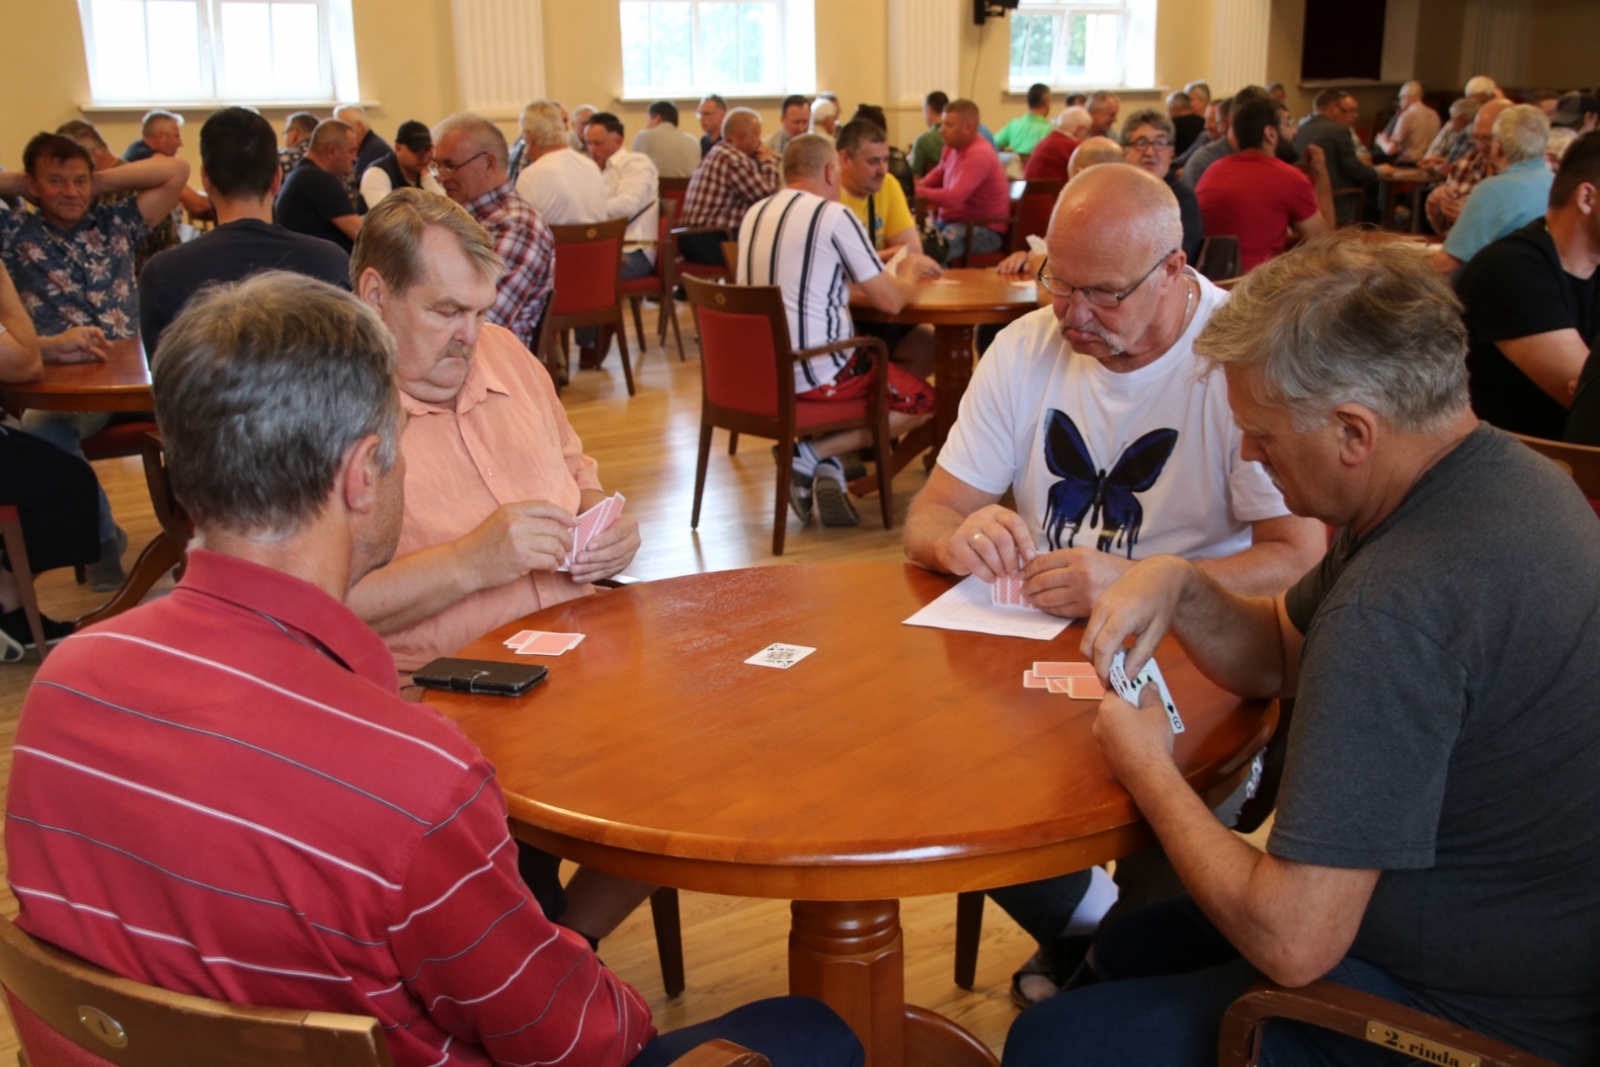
<point>1007,591</point>
<point>543,643</point>
<point>1063,670</point>
<point>1129,690</point>
<point>780,656</point>
<point>591,524</point>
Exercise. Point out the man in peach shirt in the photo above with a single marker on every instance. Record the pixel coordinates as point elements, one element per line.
<point>495,477</point>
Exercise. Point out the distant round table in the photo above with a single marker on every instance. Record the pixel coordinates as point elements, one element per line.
<point>955,305</point>
<point>894,761</point>
<point>121,383</point>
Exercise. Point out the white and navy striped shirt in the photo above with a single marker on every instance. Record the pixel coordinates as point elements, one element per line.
<point>812,249</point>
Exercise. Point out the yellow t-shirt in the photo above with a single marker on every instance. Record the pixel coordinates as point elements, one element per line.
<point>890,210</point>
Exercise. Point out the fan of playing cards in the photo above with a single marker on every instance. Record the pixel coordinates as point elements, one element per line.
<point>1078,681</point>
<point>591,524</point>
<point>1129,691</point>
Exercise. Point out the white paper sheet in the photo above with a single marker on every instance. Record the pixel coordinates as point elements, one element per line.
<point>967,606</point>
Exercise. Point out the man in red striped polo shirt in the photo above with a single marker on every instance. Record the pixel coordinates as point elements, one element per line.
<point>221,792</point>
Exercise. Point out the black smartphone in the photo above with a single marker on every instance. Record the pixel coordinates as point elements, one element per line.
<point>480,676</point>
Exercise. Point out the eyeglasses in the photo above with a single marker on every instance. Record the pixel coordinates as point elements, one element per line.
<point>444,168</point>
<point>1104,298</point>
<point>1145,144</point>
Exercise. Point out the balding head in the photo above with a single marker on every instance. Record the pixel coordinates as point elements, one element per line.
<point>1483,125</point>
<point>742,129</point>
<point>1111,226</point>
<point>1411,92</point>
<point>333,147</point>
<point>810,162</point>
<point>1092,152</point>
<point>470,154</point>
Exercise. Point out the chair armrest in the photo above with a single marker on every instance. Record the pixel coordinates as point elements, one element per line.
<point>849,344</point>
<point>720,1053</point>
<point>1361,1016</point>
<point>679,231</point>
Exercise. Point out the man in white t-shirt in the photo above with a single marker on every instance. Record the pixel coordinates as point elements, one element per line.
<point>1118,445</point>
<point>564,187</point>
<point>813,247</point>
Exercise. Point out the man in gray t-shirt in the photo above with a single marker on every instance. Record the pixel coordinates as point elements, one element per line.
<point>1437,841</point>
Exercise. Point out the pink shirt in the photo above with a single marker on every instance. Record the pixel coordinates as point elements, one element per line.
<point>505,439</point>
<point>968,183</point>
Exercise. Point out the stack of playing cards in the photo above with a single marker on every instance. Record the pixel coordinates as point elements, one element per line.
<point>1007,591</point>
<point>591,524</point>
<point>1076,680</point>
<point>542,643</point>
<point>1129,691</point>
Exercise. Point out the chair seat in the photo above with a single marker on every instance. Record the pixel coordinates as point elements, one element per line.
<point>650,283</point>
<point>808,413</point>
<point>702,270</point>
<point>118,439</point>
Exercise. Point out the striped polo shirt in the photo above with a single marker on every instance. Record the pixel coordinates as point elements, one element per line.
<point>222,793</point>
<point>812,249</point>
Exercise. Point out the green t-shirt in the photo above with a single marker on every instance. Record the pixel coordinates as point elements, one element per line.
<point>925,150</point>
<point>1022,133</point>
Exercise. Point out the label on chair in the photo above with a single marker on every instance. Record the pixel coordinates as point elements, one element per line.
<point>103,1026</point>
<point>1417,1046</point>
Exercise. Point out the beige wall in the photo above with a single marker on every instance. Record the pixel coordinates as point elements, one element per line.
<point>1562,48</point>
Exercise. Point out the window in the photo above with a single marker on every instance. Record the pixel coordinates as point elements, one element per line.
<point>211,51</point>
<point>1099,44</point>
<point>682,48</point>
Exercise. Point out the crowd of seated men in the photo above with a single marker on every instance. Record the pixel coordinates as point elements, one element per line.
<point>379,472</point>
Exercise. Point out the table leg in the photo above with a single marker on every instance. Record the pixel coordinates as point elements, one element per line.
<point>952,370</point>
<point>848,955</point>
<point>159,556</point>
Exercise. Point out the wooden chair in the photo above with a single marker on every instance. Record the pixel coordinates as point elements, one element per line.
<point>17,553</point>
<point>114,442</point>
<point>1582,462</point>
<point>1363,1017</point>
<point>747,381</point>
<point>660,284</point>
<point>685,269</point>
<point>1034,204</point>
<point>987,259</point>
<point>1218,258</point>
<point>1359,195</point>
<point>69,1013</point>
<point>730,256</point>
<point>674,190</point>
<point>588,289</point>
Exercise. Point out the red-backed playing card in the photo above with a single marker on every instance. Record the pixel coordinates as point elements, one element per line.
<point>1063,670</point>
<point>1033,681</point>
<point>1085,688</point>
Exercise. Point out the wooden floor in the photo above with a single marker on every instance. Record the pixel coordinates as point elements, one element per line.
<point>734,948</point>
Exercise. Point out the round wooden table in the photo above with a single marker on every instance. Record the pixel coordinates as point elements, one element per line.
<point>894,761</point>
<point>121,383</point>
<point>955,305</point>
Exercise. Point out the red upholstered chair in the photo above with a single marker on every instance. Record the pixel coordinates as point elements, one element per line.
<point>675,190</point>
<point>588,289</point>
<point>747,376</point>
<point>685,269</point>
<point>660,284</point>
<point>1032,215</point>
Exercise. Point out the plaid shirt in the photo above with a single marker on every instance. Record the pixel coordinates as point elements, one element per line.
<point>1467,171</point>
<point>726,185</point>
<point>525,243</point>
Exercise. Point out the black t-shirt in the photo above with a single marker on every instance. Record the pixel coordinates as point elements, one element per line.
<point>310,200</point>
<point>1194,225</point>
<point>1186,128</point>
<point>1514,288</point>
<point>1583,420</point>
<point>1445,733</point>
<point>228,253</point>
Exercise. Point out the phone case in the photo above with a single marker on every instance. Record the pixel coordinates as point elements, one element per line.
<point>480,676</point>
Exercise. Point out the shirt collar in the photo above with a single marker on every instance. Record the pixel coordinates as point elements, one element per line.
<point>490,200</point>
<point>481,380</point>
<point>293,603</point>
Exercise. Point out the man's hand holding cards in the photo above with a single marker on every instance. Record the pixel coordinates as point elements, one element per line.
<point>603,541</point>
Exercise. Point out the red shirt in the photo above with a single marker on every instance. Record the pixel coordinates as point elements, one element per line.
<point>1050,158</point>
<point>1254,197</point>
<point>222,793</point>
<point>968,183</point>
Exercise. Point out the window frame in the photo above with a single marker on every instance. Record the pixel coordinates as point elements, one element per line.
<point>335,46</point>
<point>1136,45</point>
<point>794,57</point>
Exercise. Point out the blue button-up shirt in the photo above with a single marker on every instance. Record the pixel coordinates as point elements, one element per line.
<point>1508,201</point>
<point>77,277</point>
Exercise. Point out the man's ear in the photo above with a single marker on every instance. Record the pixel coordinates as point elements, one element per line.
<point>1358,429</point>
<point>371,290</point>
<point>359,474</point>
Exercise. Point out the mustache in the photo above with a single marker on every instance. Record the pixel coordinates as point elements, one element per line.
<point>1093,326</point>
<point>456,350</point>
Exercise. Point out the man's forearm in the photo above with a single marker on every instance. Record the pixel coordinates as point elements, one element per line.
<point>13,183</point>
<point>1264,569</point>
<point>145,174</point>
<point>1232,637</point>
<point>927,525</point>
<point>412,588</point>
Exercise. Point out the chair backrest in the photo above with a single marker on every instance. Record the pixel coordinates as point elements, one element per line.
<point>588,266</point>
<point>1034,205</point>
<point>71,1014</point>
<point>673,189</point>
<point>730,256</point>
<point>1580,461</point>
<point>666,247</point>
<point>744,341</point>
<point>1218,258</point>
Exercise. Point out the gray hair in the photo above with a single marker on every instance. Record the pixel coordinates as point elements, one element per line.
<point>1466,107</point>
<point>1103,96</point>
<point>1076,117</point>
<point>1522,131</point>
<point>1148,116</point>
<point>155,117</point>
<point>1481,86</point>
<point>481,134</point>
<point>1347,318</point>
<point>807,156</point>
<point>542,126</point>
<point>390,239</point>
<point>260,388</point>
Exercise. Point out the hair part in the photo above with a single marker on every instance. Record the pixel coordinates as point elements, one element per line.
<point>261,387</point>
<point>1347,318</point>
<point>390,239</point>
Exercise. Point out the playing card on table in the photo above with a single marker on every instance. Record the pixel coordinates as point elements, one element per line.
<point>1063,669</point>
<point>780,656</point>
<point>543,643</point>
<point>1031,680</point>
<point>591,524</point>
<point>1007,590</point>
<point>1129,691</point>
<point>1089,688</point>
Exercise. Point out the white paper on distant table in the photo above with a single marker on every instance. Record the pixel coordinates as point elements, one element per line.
<point>967,606</point>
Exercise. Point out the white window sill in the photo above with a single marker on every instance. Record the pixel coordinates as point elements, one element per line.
<point>772,97</point>
<point>214,105</point>
<point>1090,90</point>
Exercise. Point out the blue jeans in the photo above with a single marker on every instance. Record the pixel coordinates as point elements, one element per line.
<point>984,240</point>
<point>789,1031</point>
<point>1168,976</point>
<point>66,430</point>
